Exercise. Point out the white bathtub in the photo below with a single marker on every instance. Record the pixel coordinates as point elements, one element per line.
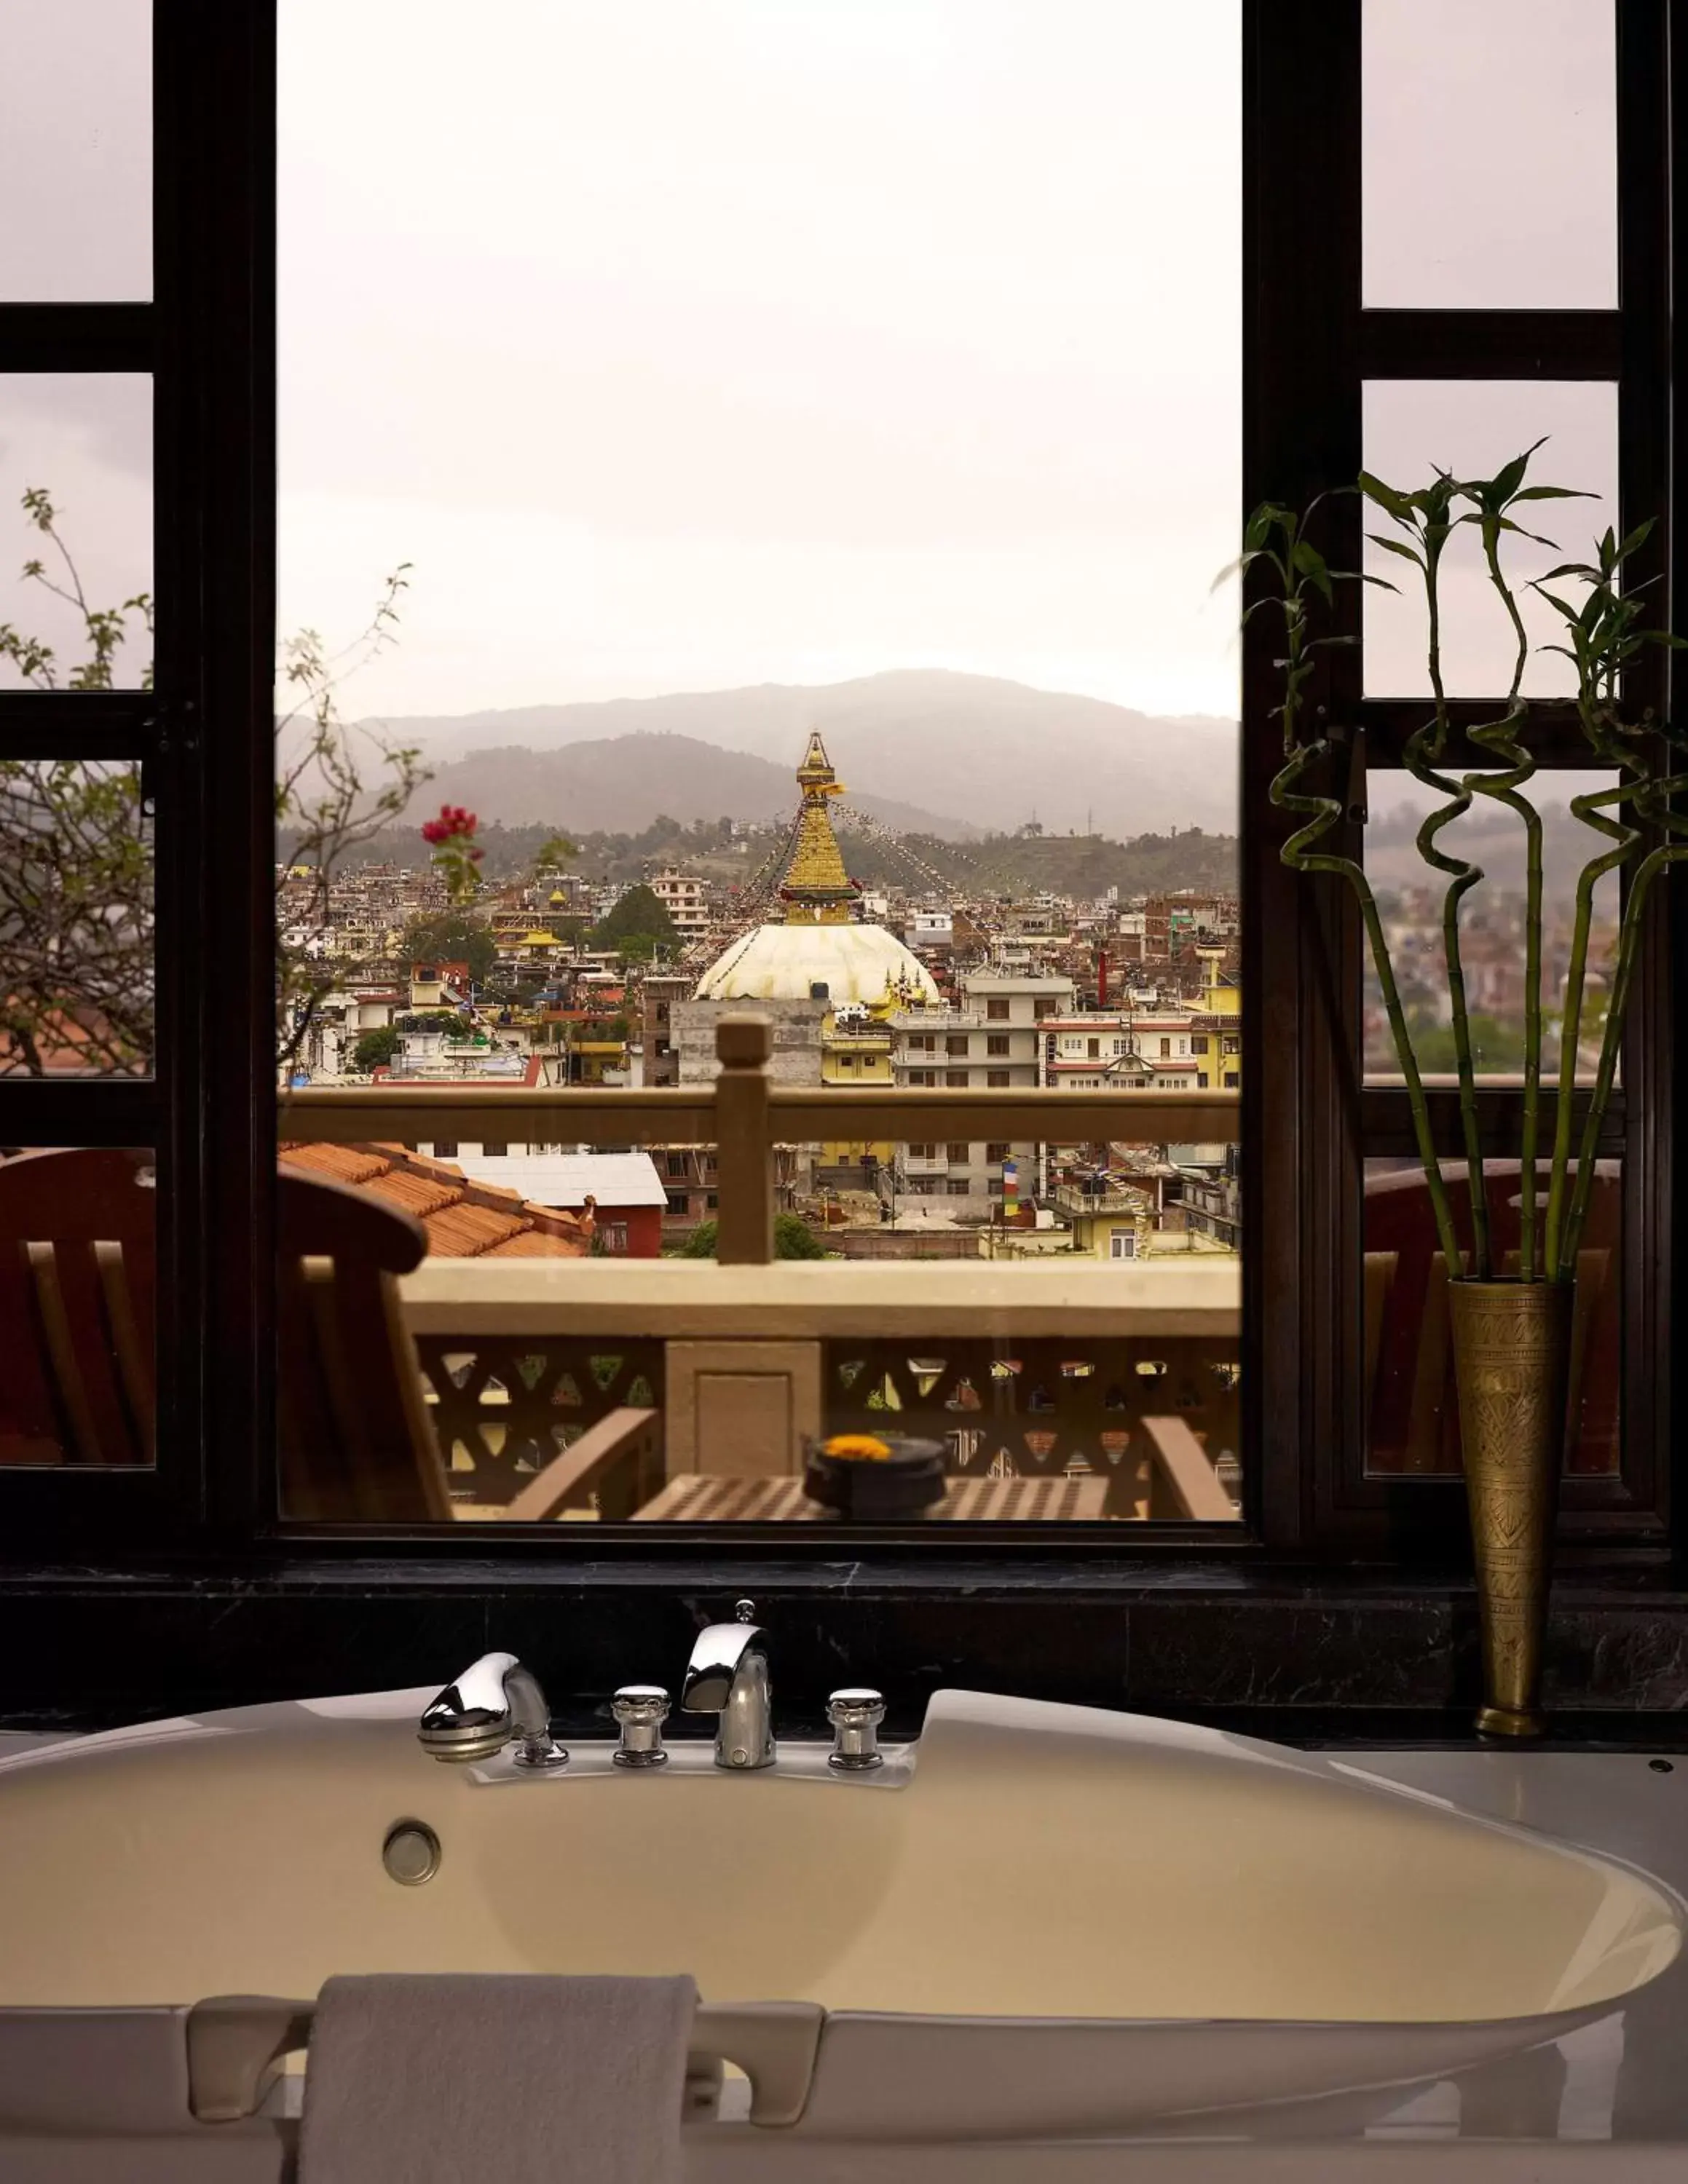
<point>1040,1922</point>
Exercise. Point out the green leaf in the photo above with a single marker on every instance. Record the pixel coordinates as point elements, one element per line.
<point>1310,562</point>
<point>1554,492</point>
<point>1398,504</point>
<point>1506,481</point>
<point>1394,546</point>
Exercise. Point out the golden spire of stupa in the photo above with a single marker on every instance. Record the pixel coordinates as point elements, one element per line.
<point>817,890</point>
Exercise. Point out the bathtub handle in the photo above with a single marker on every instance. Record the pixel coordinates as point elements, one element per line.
<point>238,2043</point>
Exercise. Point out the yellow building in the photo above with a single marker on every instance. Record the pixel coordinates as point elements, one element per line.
<point>1112,1223</point>
<point>853,1053</point>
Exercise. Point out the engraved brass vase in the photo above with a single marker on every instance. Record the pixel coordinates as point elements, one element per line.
<point>1511,1353</point>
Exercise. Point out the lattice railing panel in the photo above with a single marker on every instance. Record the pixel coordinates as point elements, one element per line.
<point>504,1406</point>
<point>1044,1407</point>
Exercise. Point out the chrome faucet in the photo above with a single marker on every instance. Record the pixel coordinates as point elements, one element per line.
<point>489,1704</point>
<point>728,1676</point>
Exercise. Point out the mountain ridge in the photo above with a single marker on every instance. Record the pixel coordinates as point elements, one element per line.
<point>964,752</point>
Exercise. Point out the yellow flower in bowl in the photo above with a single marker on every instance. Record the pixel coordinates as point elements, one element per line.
<point>857,1448</point>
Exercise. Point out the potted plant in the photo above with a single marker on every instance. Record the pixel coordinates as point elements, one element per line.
<point>1511,1323</point>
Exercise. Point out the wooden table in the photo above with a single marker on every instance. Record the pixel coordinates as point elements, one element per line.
<point>696,1497</point>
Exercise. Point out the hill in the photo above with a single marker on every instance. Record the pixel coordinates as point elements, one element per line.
<point>622,783</point>
<point>970,752</point>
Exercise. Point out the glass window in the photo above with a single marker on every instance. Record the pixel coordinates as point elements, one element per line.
<point>748,443</point>
<point>1492,927</point>
<point>1490,150</point>
<point>77,153</point>
<point>76,530</point>
<point>76,946</point>
<point>1473,428</point>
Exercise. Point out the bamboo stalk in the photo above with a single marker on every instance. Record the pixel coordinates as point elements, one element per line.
<point>1502,737</point>
<point>1425,745</point>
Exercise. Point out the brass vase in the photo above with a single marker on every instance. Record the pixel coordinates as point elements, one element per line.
<point>1512,1355</point>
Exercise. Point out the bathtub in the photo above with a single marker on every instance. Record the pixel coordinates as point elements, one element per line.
<point>1043,1940</point>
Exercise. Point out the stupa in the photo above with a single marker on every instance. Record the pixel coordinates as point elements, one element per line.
<point>817,945</point>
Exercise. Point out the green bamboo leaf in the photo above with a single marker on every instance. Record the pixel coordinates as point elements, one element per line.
<point>1398,504</point>
<point>1506,481</point>
<point>1554,492</point>
<point>1394,546</point>
<point>1311,563</point>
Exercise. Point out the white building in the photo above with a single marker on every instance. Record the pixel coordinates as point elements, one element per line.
<point>993,1042</point>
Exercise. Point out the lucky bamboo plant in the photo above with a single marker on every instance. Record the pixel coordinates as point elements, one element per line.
<point>1604,632</point>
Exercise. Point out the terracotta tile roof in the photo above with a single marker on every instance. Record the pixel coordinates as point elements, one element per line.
<point>340,1163</point>
<point>530,1243</point>
<point>418,1195</point>
<point>464,1231</point>
<point>463,1219</point>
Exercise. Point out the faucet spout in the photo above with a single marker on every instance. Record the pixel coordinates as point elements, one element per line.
<point>728,1676</point>
<point>493,1701</point>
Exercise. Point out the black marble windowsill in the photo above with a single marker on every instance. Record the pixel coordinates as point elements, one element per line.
<point>1349,1655</point>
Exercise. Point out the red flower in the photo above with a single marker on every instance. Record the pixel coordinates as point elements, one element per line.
<point>452,822</point>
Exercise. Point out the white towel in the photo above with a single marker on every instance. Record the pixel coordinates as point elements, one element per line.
<point>419,2079</point>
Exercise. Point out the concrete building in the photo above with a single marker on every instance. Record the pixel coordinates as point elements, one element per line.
<point>993,1041</point>
<point>686,900</point>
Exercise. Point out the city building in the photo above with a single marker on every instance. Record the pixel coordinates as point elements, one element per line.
<point>992,1041</point>
<point>686,900</point>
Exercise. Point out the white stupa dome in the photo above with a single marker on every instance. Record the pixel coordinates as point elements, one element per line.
<point>818,943</point>
<point>787,962</point>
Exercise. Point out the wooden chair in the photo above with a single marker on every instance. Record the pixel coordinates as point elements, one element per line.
<point>77,1315</point>
<point>357,1446</point>
<point>1412,1420</point>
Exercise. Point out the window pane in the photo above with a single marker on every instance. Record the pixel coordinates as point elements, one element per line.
<point>1412,1420</point>
<point>76,530</point>
<point>76,1306</point>
<point>76,152</point>
<point>833,572</point>
<point>1490,154</point>
<point>76,968</point>
<point>1492,945</point>
<point>1414,427</point>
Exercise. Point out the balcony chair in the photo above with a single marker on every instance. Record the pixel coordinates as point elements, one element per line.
<point>77,1308</point>
<point>1412,1420</point>
<point>357,1444</point>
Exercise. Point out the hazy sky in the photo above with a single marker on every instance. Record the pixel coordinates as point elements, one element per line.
<point>692,342</point>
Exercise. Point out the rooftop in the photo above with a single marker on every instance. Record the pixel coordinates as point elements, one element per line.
<point>571,1178</point>
<point>464,1219</point>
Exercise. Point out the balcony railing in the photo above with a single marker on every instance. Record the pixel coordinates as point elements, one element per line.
<point>745,1115</point>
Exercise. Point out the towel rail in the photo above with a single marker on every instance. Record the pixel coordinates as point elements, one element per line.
<point>237,2044</point>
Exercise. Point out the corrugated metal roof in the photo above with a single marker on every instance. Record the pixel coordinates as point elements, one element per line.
<point>568,1179</point>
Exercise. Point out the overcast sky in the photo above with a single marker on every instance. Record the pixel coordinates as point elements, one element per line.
<point>694,343</point>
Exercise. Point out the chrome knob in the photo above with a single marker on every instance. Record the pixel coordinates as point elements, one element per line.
<point>855,1715</point>
<point>641,1709</point>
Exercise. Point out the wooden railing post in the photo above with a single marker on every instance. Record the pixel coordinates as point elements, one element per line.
<point>743,1233</point>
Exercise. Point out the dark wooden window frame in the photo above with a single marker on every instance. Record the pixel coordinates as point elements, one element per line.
<point>1309,1126</point>
<point>204,733</point>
